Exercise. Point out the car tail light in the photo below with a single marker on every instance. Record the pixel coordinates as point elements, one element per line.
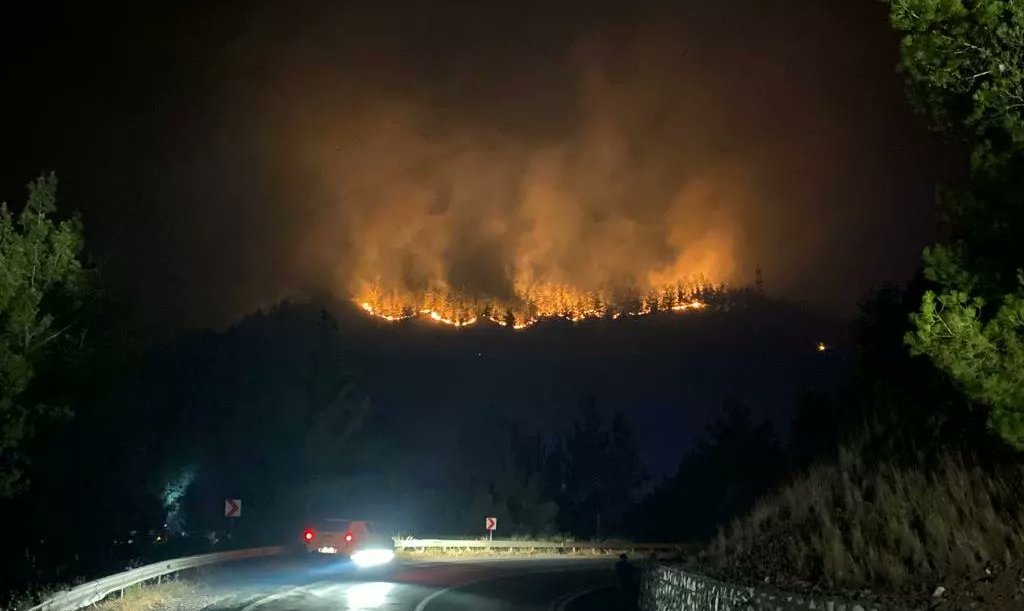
<point>348,537</point>
<point>308,535</point>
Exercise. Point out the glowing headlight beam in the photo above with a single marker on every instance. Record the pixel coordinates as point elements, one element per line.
<point>372,557</point>
<point>370,595</point>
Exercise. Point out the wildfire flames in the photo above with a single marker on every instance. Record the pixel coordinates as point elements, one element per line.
<point>537,303</point>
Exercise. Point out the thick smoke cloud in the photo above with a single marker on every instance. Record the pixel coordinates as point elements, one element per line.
<point>487,149</point>
<point>488,213</point>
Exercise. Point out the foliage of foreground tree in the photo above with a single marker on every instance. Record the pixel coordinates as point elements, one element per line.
<point>42,280</point>
<point>964,62</point>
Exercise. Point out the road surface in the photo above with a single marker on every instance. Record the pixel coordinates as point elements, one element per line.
<point>301,584</point>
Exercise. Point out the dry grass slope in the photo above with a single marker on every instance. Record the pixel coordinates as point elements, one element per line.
<point>883,528</point>
<point>147,597</point>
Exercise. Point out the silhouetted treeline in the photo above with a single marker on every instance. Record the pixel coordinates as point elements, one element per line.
<point>737,461</point>
<point>898,408</point>
<point>272,411</point>
<point>277,411</point>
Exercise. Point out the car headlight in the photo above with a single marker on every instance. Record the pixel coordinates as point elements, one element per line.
<point>372,557</point>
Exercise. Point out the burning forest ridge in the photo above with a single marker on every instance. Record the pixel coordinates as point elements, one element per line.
<point>615,157</point>
<point>486,227</point>
<point>593,153</point>
<point>538,302</point>
<point>419,212</point>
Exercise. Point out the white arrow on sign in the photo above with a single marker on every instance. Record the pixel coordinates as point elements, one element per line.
<point>232,508</point>
<point>491,523</point>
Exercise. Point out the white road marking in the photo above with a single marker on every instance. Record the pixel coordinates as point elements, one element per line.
<point>430,597</point>
<point>426,601</point>
<point>271,598</point>
<point>557,603</point>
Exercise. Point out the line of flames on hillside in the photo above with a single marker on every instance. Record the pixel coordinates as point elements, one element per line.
<point>539,302</point>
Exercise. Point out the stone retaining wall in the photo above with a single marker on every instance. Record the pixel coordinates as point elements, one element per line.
<point>667,588</point>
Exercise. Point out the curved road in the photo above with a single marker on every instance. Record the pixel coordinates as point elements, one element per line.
<point>299,584</point>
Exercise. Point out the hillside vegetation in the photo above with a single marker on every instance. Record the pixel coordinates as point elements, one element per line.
<point>895,529</point>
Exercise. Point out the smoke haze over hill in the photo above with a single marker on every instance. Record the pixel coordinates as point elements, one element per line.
<point>492,149</point>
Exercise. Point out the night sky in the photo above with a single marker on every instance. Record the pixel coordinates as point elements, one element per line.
<point>228,156</point>
<point>225,156</point>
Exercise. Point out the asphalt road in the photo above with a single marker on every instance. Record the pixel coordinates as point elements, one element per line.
<point>300,584</point>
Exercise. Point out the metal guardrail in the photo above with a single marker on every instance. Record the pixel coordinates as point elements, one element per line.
<point>553,546</point>
<point>95,591</point>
